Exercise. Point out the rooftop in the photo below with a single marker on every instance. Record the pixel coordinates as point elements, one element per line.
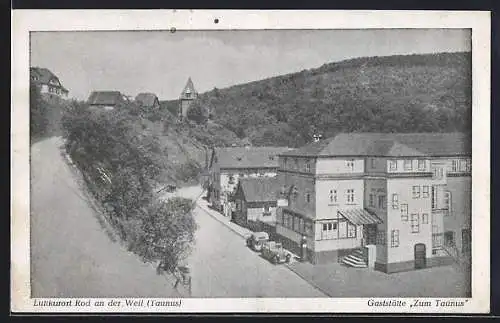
<point>249,157</point>
<point>146,99</point>
<point>44,76</point>
<point>388,144</point>
<point>105,98</point>
<point>262,189</point>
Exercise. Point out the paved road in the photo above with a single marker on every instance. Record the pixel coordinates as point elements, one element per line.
<point>71,256</point>
<point>222,266</point>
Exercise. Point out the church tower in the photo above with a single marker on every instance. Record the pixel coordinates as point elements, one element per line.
<point>188,95</point>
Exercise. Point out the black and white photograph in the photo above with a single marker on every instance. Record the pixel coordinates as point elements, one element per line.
<point>309,165</point>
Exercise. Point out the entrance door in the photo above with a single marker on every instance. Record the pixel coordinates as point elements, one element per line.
<point>370,234</point>
<point>466,238</point>
<point>420,260</point>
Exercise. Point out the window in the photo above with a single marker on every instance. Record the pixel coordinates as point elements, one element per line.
<point>301,225</point>
<point>330,231</point>
<point>438,173</point>
<point>333,196</point>
<point>404,212</point>
<point>285,160</point>
<point>425,218</point>
<point>373,163</point>
<point>416,192</point>
<point>350,196</point>
<point>308,197</point>
<point>468,165</point>
<point>463,165</point>
<point>296,224</point>
<point>425,191</point>
<point>371,200</point>
<point>434,197</point>
<point>393,165</point>
<point>447,202</point>
<point>231,179</point>
<point>381,237</point>
<point>267,210</point>
<point>394,238</point>
<point>350,164</point>
<point>381,202</point>
<point>454,165</point>
<point>295,193</point>
<point>308,166</point>
<point>351,230</point>
<point>421,164</point>
<point>407,164</point>
<point>415,224</point>
<point>437,238</point>
<point>395,201</point>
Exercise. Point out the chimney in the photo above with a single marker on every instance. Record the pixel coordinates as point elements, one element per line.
<point>317,137</point>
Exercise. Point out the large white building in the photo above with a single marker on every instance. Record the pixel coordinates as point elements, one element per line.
<point>407,196</point>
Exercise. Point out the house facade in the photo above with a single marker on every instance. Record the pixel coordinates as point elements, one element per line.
<point>105,100</point>
<point>256,200</point>
<point>48,82</point>
<point>395,192</point>
<point>228,165</point>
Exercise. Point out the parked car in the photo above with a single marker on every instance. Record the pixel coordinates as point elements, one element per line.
<point>171,188</point>
<point>256,240</point>
<point>274,252</point>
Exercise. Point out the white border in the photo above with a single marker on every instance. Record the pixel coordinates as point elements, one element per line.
<point>24,21</point>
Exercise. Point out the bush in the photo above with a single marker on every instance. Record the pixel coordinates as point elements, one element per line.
<point>114,143</point>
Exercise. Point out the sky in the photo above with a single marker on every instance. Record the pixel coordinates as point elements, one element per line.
<point>161,61</point>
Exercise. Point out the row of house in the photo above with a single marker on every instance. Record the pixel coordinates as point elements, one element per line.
<point>404,197</point>
<point>50,84</point>
<point>108,100</point>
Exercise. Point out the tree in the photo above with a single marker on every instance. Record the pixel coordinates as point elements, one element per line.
<point>167,233</point>
<point>38,113</point>
<point>197,113</point>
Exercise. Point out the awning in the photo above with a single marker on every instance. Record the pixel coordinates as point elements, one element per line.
<point>360,216</point>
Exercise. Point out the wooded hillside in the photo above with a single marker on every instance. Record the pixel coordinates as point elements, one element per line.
<point>410,93</point>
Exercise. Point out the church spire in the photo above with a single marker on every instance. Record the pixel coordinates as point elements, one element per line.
<point>189,91</point>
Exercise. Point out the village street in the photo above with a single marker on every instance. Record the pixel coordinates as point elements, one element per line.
<point>72,256</point>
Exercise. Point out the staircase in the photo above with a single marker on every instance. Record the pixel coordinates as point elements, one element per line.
<point>355,259</point>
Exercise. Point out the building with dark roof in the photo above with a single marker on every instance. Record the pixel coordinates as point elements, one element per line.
<point>106,100</point>
<point>147,100</point>
<point>392,201</point>
<point>255,201</point>
<point>229,164</point>
<point>48,82</point>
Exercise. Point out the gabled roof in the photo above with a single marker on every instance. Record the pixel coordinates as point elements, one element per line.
<point>44,76</point>
<point>389,144</point>
<point>262,189</point>
<point>146,99</point>
<point>189,88</point>
<point>248,157</point>
<point>105,98</point>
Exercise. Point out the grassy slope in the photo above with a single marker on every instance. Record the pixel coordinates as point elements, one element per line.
<point>396,93</point>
